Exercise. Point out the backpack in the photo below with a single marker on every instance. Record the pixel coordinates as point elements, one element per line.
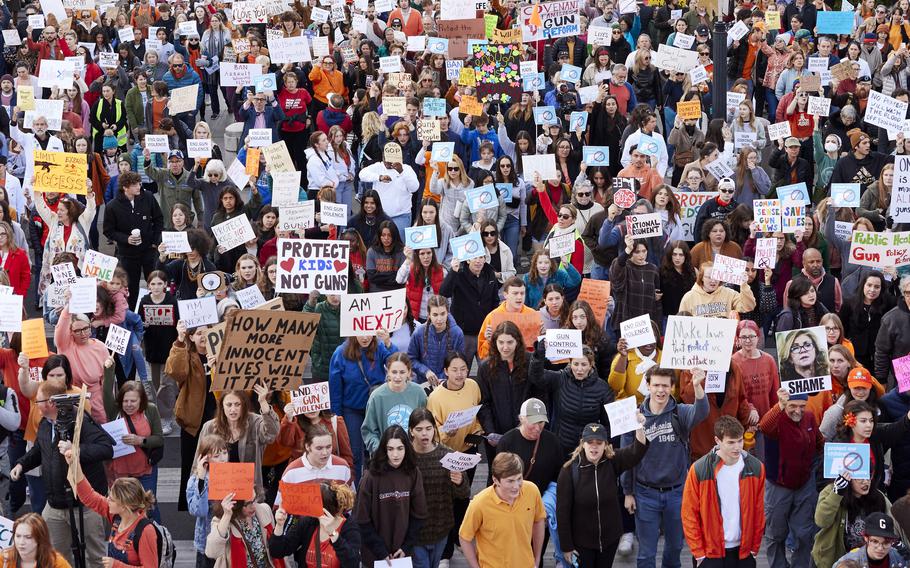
<point>167,552</point>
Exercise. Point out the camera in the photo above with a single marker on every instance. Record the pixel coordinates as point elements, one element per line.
<point>66,415</point>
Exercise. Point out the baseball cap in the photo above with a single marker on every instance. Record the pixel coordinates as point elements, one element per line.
<point>534,411</point>
<point>880,525</point>
<point>859,378</point>
<point>792,141</point>
<point>726,183</point>
<point>595,431</point>
<point>864,79</point>
<point>175,154</point>
<point>702,30</point>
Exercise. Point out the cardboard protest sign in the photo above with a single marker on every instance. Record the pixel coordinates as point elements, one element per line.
<point>308,264</point>
<point>467,246</point>
<point>226,478</point>
<point>98,265</point>
<point>901,370</point>
<point>728,269</point>
<point>117,339</point>
<point>365,314</point>
<point>421,237</point>
<point>60,172</point>
<point>34,340</point>
<point>637,331</point>
<point>83,296</point>
<point>278,158</point>
<point>802,356</point>
<point>689,204</point>
<point>302,499</point>
<point>765,253</point>
<point>234,232</point>
<point>880,250</point>
<point>25,97</point>
<point>597,294</point>
<point>199,311</point>
<point>311,398</point>
<point>623,415</point>
<point>117,429</point>
<point>264,346</point>
<point>644,225</point>
<point>460,419</point>
<point>853,458</point>
<point>458,461</point>
<point>529,323</point>
<point>706,343</point>
<point>563,344</point>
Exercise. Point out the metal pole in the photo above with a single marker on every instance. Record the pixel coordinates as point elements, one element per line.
<point>719,57</point>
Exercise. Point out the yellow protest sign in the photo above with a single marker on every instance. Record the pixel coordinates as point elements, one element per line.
<point>688,109</point>
<point>252,161</point>
<point>25,97</point>
<point>506,36</point>
<point>34,342</point>
<point>60,172</point>
<point>470,105</point>
<point>773,20</point>
<point>466,77</point>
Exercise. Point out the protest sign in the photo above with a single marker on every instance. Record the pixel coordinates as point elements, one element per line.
<point>11,37</point>
<point>624,191</point>
<point>597,294</point>
<point>59,172</point>
<point>533,82</point>
<point>52,110</point>
<point>579,119</point>
<point>743,139</point>
<point>183,99</point>
<point>25,97</point>
<point>98,265</point>
<point>483,197</point>
<point>793,216</point>
<point>286,189</point>
<point>881,110</point>
<point>698,75</point>
<point>689,204</point>
<point>199,148</point>
<point>768,215</point>
<point>819,106</point>
<point>880,250</point>
<point>227,477</point>
<point>543,164</point>
<point>264,346</point>
<point>250,297</point>
<point>845,194</point>
<point>765,253</point>
<point>600,35</point>
<point>623,415</point>
<point>63,273</point>
<point>855,459</point>
<point>563,343</point>
<point>117,429</point>
<point>637,331</point>
<point>289,49</point>
<point>234,232</point>
<point>259,138</point>
<point>561,245</point>
<point>422,237</point>
<point>596,155</point>
<point>817,65</point>
<point>458,461</point>
<point>365,314</point>
<point>830,22</point>
<point>11,313</point>
<point>434,107</point>
<point>175,242</point>
<point>900,192</point>
<point>157,143</point>
<point>428,130</point>
<point>728,269</point>
<point>311,398</point>
<point>117,339</point>
<point>34,340</point>
<point>239,74</point>
<point>333,214</point>
<point>108,60</point>
<point>802,356</point>
<point>779,131</point>
<point>301,499</point>
<point>467,246</point>
<point>55,73</point>
<point>719,169</point>
<point>237,173</point>
<point>278,158</point>
<point>901,371</point>
<point>529,323</point>
<point>570,74</point>
<point>198,311</point>
<point>556,19</point>
<point>309,264</point>
<point>672,58</point>
<point>442,151</point>
<point>83,296</point>
<point>715,381</point>
<point>689,109</point>
<point>644,225</point>
<point>460,419</point>
<point>496,72</point>
<point>706,343</point>
<point>544,115</point>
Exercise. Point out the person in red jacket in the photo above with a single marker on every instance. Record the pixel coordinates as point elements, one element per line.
<point>723,506</point>
<point>422,275</point>
<point>294,101</point>
<point>14,260</point>
<point>334,115</point>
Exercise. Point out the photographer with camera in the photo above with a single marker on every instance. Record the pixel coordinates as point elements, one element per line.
<point>55,432</point>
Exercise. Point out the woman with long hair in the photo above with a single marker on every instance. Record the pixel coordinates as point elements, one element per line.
<point>752,181</point>
<point>859,385</point>
<point>520,117</point>
<point>429,215</point>
<point>344,163</point>
<point>707,151</point>
<point>67,231</point>
<point>32,547</point>
<point>497,254</point>
<point>370,217</point>
<point>505,174</point>
<point>834,331</point>
<point>587,505</point>
<point>390,527</point>
<point>581,316</point>
<point>677,276</point>
<point>599,69</point>
<point>296,429</point>
<point>384,258</point>
<point>393,401</point>
<point>645,79</point>
<point>294,101</point>
<point>636,283</point>
<point>545,270</point>
<point>861,314</point>
<point>803,308</point>
<point>860,425</point>
<point>875,202</point>
<point>668,207</point>
<point>452,188</point>
<point>247,433</point>
<point>247,272</point>
<point>422,276</point>
<point>14,261</point>
<point>240,533</point>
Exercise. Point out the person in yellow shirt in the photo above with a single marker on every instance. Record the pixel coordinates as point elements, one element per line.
<point>630,365</point>
<point>457,392</point>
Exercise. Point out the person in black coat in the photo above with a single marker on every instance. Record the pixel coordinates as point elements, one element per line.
<point>474,290</point>
<point>576,47</point>
<point>133,220</point>
<point>862,314</point>
<point>335,527</point>
<point>184,272</point>
<point>787,164</point>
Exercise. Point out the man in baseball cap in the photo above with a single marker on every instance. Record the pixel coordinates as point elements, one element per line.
<point>880,539</point>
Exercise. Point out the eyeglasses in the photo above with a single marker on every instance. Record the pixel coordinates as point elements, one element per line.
<point>800,347</point>
<point>883,543</point>
<point>455,169</point>
<point>565,216</point>
<point>82,330</point>
<point>832,329</point>
<point>584,194</point>
<point>748,337</point>
<point>488,233</point>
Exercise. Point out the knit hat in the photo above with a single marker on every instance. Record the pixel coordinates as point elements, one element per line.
<point>802,34</point>
<point>6,77</point>
<point>110,142</point>
<point>856,136</point>
<point>800,396</point>
<point>870,38</point>
<point>859,378</point>
<point>882,29</point>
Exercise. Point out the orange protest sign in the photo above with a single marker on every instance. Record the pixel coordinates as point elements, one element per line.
<point>597,294</point>
<point>252,161</point>
<point>470,105</point>
<point>34,342</point>
<point>236,478</point>
<point>303,499</point>
<point>689,109</point>
<point>529,323</point>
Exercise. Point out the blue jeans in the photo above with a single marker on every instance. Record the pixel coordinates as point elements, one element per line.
<point>511,235</point>
<point>344,193</point>
<point>654,510</point>
<point>353,420</point>
<point>36,492</point>
<point>429,555</point>
<point>772,101</point>
<point>402,221</point>
<point>150,483</point>
<point>549,505</point>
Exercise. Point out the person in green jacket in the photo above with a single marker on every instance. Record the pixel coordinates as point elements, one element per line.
<point>135,107</point>
<point>328,334</point>
<point>842,506</point>
<point>174,186</point>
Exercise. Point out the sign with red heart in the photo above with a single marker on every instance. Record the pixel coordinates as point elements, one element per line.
<point>305,265</point>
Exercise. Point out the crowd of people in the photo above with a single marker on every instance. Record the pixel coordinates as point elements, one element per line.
<point>726,463</point>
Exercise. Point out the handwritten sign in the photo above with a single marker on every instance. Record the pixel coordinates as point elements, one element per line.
<point>10,313</point>
<point>881,110</point>
<point>59,172</point>
<point>644,225</point>
<point>689,204</point>
<point>880,250</point>
<point>691,342</point>
<point>901,371</point>
<point>83,296</point>
<point>561,245</point>
<point>158,315</point>
<point>250,297</point>
<point>226,478</point>
<point>768,214</point>
<point>99,265</point>
<point>765,253</point>
<point>623,415</point>
<point>298,218</point>
<point>175,242</point>
<point>597,294</point>
<point>365,314</point>
<point>689,109</point>
<point>779,131</point>
<point>794,216</point>
<point>729,269</point>
<point>311,398</point>
<point>305,265</point>
<point>460,419</point>
<point>458,461</point>
<point>637,331</point>
<point>302,499</point>
<point>198,311</point>
<point>34,340</point>
<point>234,232</point>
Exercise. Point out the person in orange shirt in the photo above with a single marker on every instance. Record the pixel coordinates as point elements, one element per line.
<point>643,171</point>
<point>326,79</point>
<point>411,19</point>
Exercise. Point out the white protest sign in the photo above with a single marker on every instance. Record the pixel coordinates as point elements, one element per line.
<point>333,214</point>
<point>11,37</point>
<point>738,31</point>
<point>239,74</point>
<point>819,106</point>
<point>706,343</point>
<point>561,245</point>
<point>683,41</point>
<point>311,398</point>
<point>900,192</point>
<point>108,60</point>
<point>36,21</point>
<point>881,110</point>
<point>98,265</point>
<point>199,311</point>
<point>126,34</point>
<point>117,339</point>
<point>457,461</point>
<point>365,314</point>
<point>250,297</point>
<point>460,419</point>
<point>299,217</point>
<point>543,164</point>
<point>715,381</point>
<point>199,148</point>
<point>768,215</point>
<point>808,385</point>
<point>637,331</point>
<point>564,344</point>
<point>63,273</point>
<point>698,75</point>
<point>11,313</point>
<point>117,429</point>
<point>285,189</point>
<point>311,264</point>
<point>742,139</point>
<point>157,143</point>
<point>880,250</point>
<point>644,225</point>
<point>598,35</point>
<point>779,131</point>
<point>83,296</point>
<point>55,73</point>
<point>234,232</point>
<point>52,110</point>
<point>289,50</point>
<point>623,415</point>
<point>765,254</point>
<point>728,269</point>
<point>719,169</point>
<point>818,64</point>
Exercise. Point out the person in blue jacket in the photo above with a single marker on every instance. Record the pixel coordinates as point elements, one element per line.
<point>356,367</point>
<point>545,270</point>
<point>180,74</point>
<point>432,341</point>
<point>473,138</point>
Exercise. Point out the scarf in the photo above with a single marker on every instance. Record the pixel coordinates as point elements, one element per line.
<point>647,361</point>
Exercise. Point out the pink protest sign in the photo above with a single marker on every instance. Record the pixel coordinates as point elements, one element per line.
<point>902,372</point>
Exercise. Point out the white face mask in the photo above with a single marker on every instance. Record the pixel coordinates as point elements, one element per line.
<point>830,146</point>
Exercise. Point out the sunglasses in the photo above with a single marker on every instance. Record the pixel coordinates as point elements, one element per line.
<point>584,194</point>
<point>455,169</point>
<point>726,191</point>
<point>488,233</point>
<point>564,216</point>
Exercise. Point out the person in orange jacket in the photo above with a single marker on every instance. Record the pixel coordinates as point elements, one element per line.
<point>714,485</point>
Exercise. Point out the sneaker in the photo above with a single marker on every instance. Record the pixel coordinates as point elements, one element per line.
<point>625,544</point>
<point>167,428</point>
<point>443,563</point>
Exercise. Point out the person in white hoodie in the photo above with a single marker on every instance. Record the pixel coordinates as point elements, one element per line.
<point>39,139</point>
<point>395,182</point>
